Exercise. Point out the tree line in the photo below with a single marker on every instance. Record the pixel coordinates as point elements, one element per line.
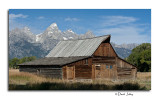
<point>141,57</point>
<point>13,63</point>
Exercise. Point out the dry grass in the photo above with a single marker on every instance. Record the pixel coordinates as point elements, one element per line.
<point>144,75</point>
<point>144,79</point>
<point>23,78</point>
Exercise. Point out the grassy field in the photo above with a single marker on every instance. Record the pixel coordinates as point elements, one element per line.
<point>26,81</point>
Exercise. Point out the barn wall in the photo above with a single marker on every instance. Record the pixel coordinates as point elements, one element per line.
<point>103,56</point>
<point>28,69</point>
<point>100,59</point>
<point>83,72</point>
<point>51,72</point>
<point>47,71</point>
<point>123,64</point>
<point>101,67</point>
<point>105,49</point>
<point>120,68</point>
<point>80,69</point>
<point>125,70</point>
<point>101,72</point>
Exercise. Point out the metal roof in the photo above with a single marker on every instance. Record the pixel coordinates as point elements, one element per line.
<point>83,47</point>
<point>56,61</point>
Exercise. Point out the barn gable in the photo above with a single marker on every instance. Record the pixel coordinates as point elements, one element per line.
<point>105,49</point>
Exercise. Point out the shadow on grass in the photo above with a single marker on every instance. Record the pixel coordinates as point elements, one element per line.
<point>75,86</point>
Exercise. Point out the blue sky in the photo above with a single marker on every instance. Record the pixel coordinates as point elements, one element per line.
<point>124,25</point>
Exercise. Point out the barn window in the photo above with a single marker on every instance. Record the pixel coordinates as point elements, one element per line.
<point>86,61</point>
<point>107,66</point>
<point>111,67</point>
<point>98,67</point>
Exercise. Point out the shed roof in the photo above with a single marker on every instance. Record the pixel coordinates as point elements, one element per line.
<point>83,47</point>
<point>57,61</point>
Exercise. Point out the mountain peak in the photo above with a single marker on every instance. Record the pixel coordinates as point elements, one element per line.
<point>52,29</point>
<point>26,28</point>
<point>89,33</point>
<point>53,25</point>
<point>69,30</point>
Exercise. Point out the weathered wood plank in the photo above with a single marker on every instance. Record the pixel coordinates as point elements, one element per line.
<point>48,71</point>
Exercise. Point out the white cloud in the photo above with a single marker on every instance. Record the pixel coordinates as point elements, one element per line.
<point>14,16</point>
<point>126,34</point>
<point>117,20</point>
<point>124,29</point>
<point>13,23</point>
<point>41,17</point>
<point>71,19</point>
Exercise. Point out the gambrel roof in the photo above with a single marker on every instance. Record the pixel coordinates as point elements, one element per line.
<point>72,48</point>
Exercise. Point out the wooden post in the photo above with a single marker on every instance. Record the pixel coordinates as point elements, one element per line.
<point>93,72</point>
<point>74,72</point>
<point>66,73</point>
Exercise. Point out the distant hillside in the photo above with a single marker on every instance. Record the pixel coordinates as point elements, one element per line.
<point>124,50</point>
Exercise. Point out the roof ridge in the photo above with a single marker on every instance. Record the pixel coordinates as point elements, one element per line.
<point>86,38</point>
<point>67,57</point>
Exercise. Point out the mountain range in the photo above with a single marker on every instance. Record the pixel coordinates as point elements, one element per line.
<point>23,43</point>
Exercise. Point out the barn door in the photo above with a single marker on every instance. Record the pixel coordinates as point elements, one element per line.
<point>97,71</point>
<point>70,72</point>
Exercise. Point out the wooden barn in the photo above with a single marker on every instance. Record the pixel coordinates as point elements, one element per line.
<point>92,58</point>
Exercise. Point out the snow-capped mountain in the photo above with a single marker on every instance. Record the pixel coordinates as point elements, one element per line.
<point>52,35</point>
<point>19,34</point>
<point>124,50</point>
<point>126,46</point>
<point>22,42</point>
<point>86,35</point>
<point>69,34</point>
<point>52,32</point>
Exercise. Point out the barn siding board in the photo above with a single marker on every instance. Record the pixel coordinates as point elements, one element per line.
<point>105,49</point>
<point>125,70</point>
<point>104,60</point>
<point>64,72</point>
<point>105,73</point>
<point>122,64</point>
<point>80,70</point>
<point>40,70</point>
